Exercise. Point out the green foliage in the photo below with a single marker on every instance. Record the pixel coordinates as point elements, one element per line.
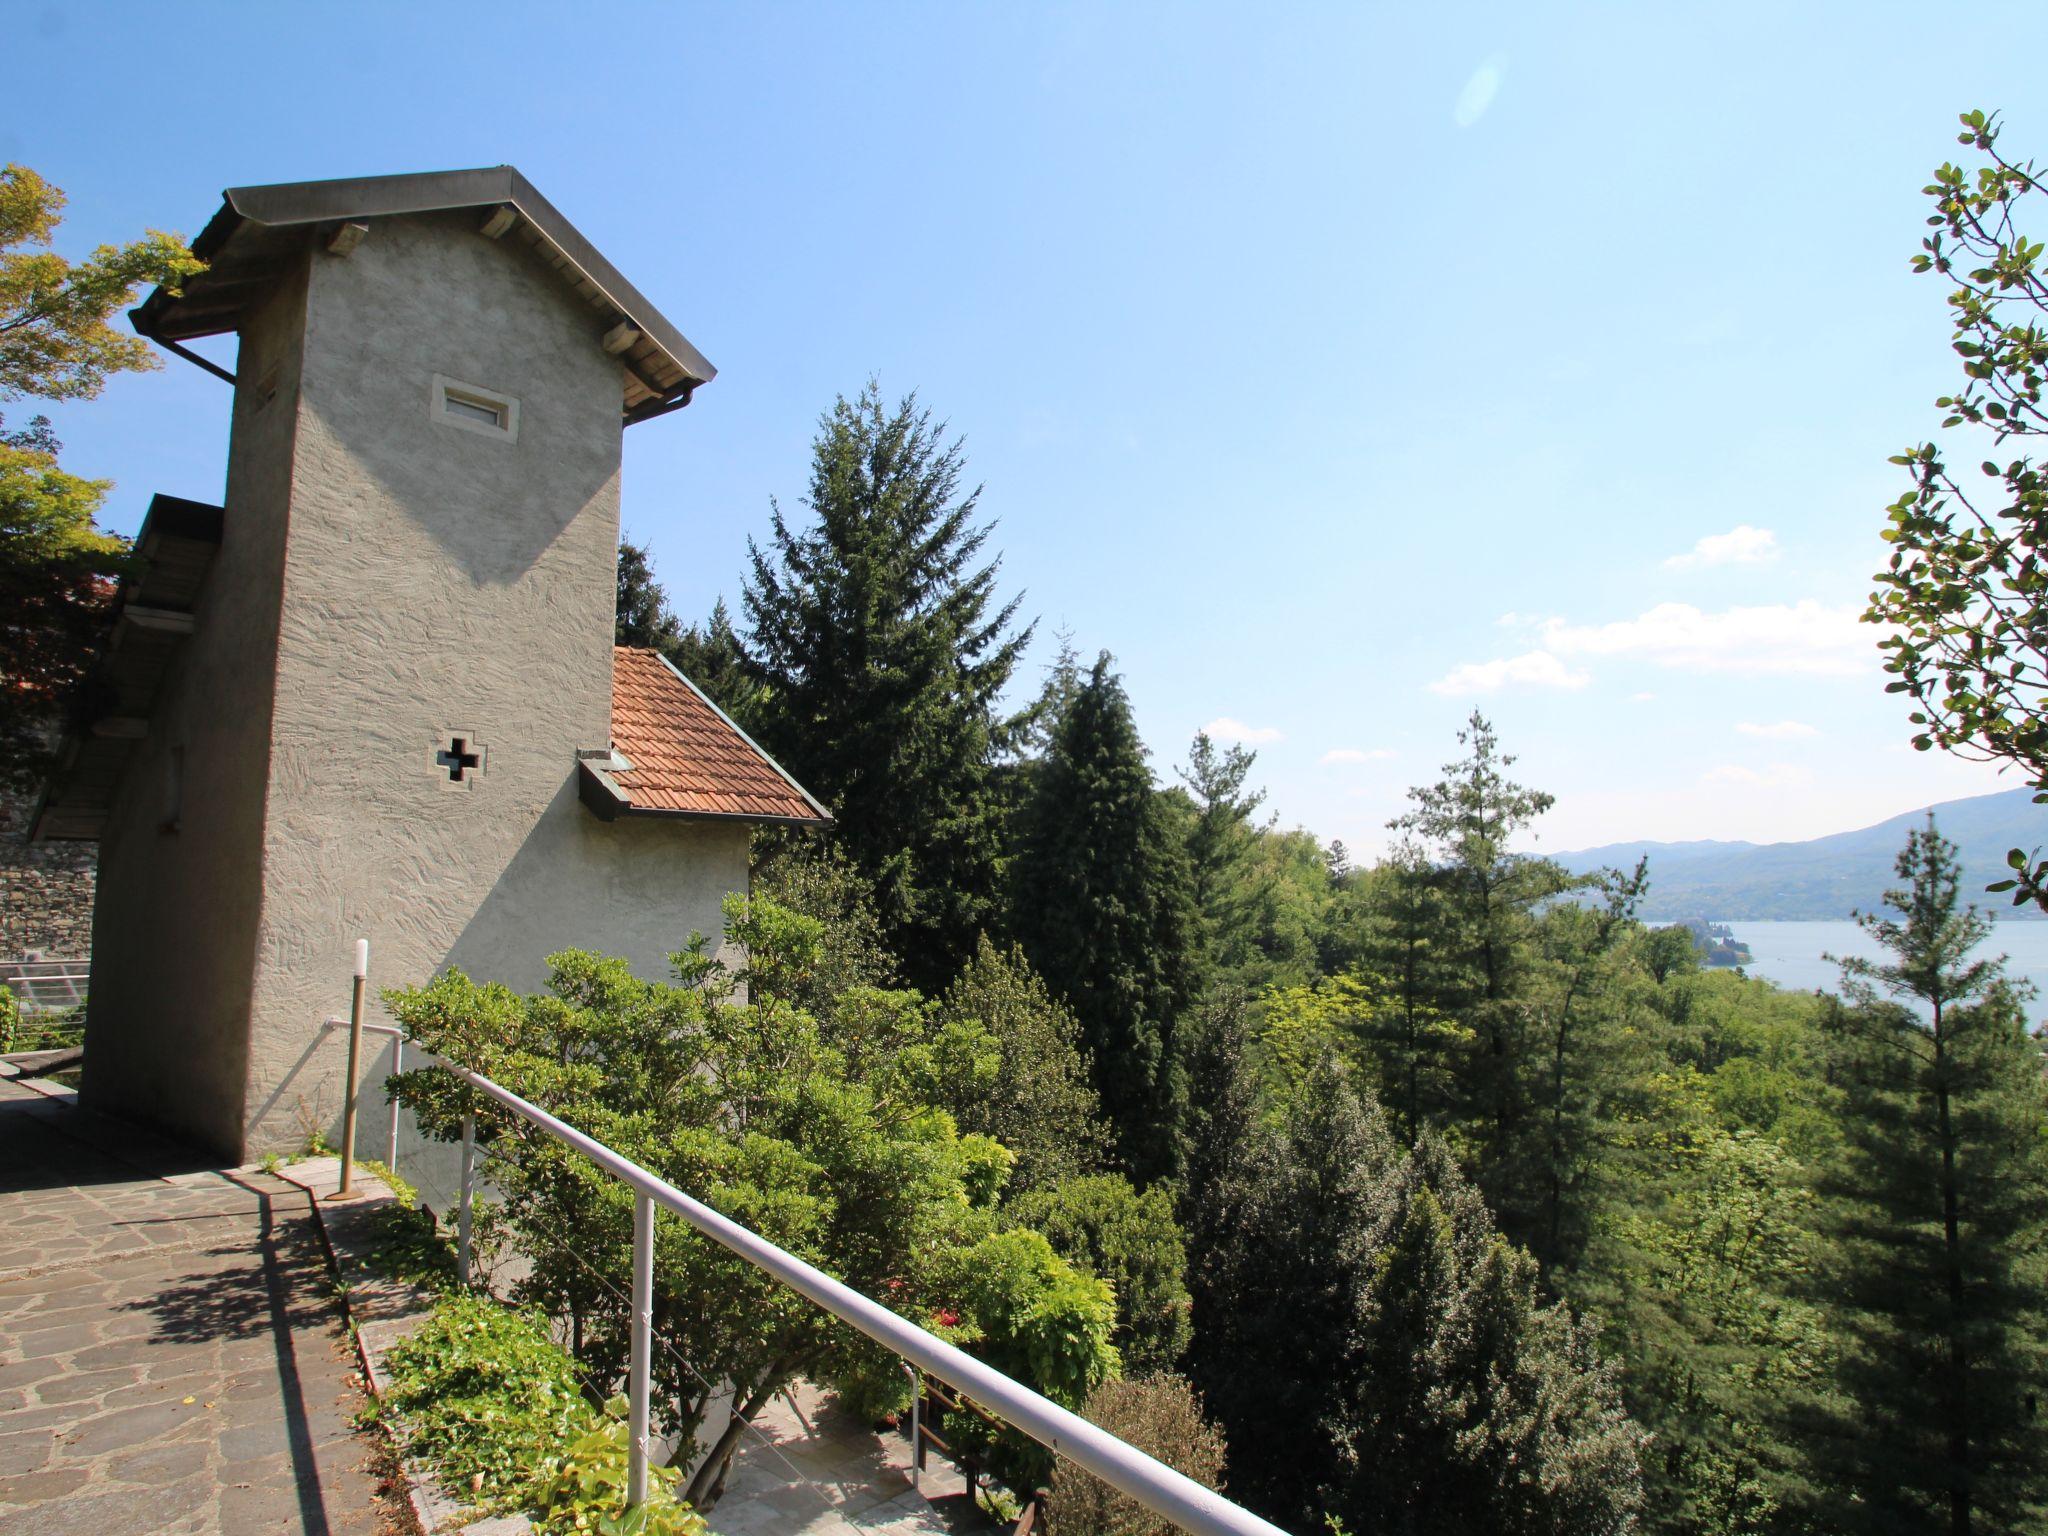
<point>1106,1227</point>
<point>1040,1102</point>
<point>1938,1211</point>
<point>587,1489</point>
<point>1161,1416</point>
<point>1102,904</point>
<point>709,656</point>
<point>485,1397</point>
<point>1408,1379</point>
<point>1721,1335</point>
<point>817,1130</point>
<point>57,571</point>
<point>883,656</point>
<point>1485,903</point>
<point>56,1030</point>
<point>56,342</point>
<point>1035,1317</point>
<point>1960,596</point>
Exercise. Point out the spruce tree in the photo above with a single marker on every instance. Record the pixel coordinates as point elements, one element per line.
<point>882,651</point>
<point>1102,906</point>
<point>1464,1402</point>
<point>1489,897</point>
<point>1372,1346</point>
<point>709,655</point>
<point>642,616</point>
<point>1939,1211</point>
<point>1220,839</point>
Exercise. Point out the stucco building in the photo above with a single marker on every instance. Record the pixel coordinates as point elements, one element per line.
<point>374,694</point>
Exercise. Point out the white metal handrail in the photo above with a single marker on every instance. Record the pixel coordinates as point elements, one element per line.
<point>1152,1483</point>
<point>398,1038</point>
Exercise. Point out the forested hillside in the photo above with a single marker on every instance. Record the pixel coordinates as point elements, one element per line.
<point>1823,877</point>
<point>1461,1208</point>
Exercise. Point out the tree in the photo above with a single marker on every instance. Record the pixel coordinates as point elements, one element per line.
<point>57,566</point>
<point>883,654</point>
<point>1220,834</point>
<point>1488,896</point>
<point>1938,1212</point>
<point>1464,1402</point>
<point>1162,1417</point>
<point>57,573</point>
<point>1104,1226</point>
<point>1960,596</point>
<point>1408,1379</point>
<point>1719,1336</point>
<point>55,339</point>
<point>1042,1103</point>
<point>1397,949</point>
<point>709,655</point>
<point>818,1131</point>
<point>1101,903</point>
<point>642,616</point>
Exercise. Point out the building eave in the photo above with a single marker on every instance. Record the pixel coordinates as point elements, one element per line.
<point>661,368</point>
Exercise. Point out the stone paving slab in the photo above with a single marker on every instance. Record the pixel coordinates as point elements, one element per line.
<point>171,1358</point>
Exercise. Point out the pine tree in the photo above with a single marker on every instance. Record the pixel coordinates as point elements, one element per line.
<point>1489,896</point>
<point>1372,1346</point>
<point>883,654</point>
<point>1102,906</point>
<point>1939,1212</point>
<point>642,616</point>
<point>709,655</point>
<point>1465,1403</point>
<point>1219,843</point>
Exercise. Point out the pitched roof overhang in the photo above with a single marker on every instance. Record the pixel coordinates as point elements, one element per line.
<point>675,754</point>
<point>250,241</point>
<point>151,615</point>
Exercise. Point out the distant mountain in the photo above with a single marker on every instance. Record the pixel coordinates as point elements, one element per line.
<point>1825,877</point>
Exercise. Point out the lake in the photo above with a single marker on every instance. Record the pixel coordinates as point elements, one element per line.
<point>1790,953</point>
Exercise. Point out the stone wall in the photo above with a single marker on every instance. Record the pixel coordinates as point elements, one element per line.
<point>45,889</point>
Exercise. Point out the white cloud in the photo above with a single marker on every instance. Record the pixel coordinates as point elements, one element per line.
<point>1532,669</point>
<point>1356,755</point>
<point>1224,728</point>
<point>1805,638</point>
<point>1480,90</point>
<point>1784,730</point>
<point>1777,776</point>
<point>1641,698</point>
<point>1742,545</point>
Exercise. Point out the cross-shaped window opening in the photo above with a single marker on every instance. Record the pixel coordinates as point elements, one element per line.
<point>456,759</point>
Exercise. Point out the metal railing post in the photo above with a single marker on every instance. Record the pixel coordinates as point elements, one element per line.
<point>916,1422</point>
<point>355,1063</point>
<point>462,1210</point>
<point>397,1066</point>
<point>642,1364</point>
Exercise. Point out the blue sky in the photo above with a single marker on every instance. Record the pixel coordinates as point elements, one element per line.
<point>1339,368</point>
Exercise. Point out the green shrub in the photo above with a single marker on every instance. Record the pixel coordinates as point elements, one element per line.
<point>56,1030</point>
<point>1105,1226</point>
<point>587,1491</point>
<point>1162,1417</point>
<point>485,1397</point>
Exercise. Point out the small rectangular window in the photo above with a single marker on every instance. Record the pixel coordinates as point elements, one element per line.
<point>473,408</point>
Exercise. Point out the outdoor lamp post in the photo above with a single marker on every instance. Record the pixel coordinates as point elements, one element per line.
<point>355,1061</point>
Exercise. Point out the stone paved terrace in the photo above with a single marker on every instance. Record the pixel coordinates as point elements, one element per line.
<point>171,1358</point>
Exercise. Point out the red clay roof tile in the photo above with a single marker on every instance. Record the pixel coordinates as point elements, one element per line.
<point>687,758</point>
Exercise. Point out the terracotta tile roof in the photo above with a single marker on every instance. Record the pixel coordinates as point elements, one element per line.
<point>687,758</point>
